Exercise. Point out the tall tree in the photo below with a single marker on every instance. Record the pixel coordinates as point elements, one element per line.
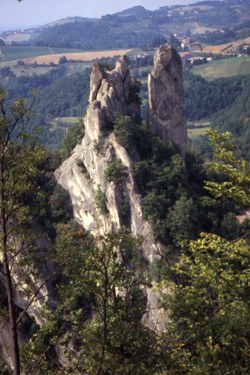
<point>21,179</point>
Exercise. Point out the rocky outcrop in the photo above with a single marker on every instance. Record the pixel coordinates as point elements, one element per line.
<point>166,116</point>
<point>83,173</point>
<point>113,90</point>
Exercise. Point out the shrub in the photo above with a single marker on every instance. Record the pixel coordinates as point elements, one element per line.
<point>101,201</point>
<point>116,171</point>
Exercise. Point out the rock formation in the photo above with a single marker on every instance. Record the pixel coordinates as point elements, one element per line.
<point>83,173</point>
<point>166,116</point>
<point>113,90</point>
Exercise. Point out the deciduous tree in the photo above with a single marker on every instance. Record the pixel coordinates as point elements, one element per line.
<point>21,179</point>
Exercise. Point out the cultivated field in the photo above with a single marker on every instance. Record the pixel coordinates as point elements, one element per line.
<point>197,128</point>
<point>225,47</point>
<point>82,56</point>
<point>192,133</point>
<point>15,53</point>
<point>228,67</point>
<point>63,123</point>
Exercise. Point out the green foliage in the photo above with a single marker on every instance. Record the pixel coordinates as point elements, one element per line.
<point>67,96</point>
<point>35,357</point>
<point>103,284</point>
<point>57,95</point>
<point>162,180</point>
<point>24,173</point>
<point>203,98</point>
<point>134,137</point>
<point>73,136</point>
<point>96,34</point>
<point>225,102</point>
<point>101,201</point>
<point>116,171</point>
<point>125,210</point>
<point>182,220</point>
<point>139,27</point>
<point>126,132</point>
<point>3,368</point>
<point>234,118</point>
<point>209,303</point>
<point>23,161</point>
<point>209,308</point>
<point>233,171</point>
<point>57,208</point>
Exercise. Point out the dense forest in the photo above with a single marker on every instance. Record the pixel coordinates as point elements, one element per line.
<point>89,35</point>
<point>56,95</point>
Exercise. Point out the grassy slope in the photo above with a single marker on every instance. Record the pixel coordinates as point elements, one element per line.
<point>192,133</point>
<point>228,67</point>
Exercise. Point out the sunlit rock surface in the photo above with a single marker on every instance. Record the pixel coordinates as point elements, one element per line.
<point>166,117</point>
<point>83,173</point>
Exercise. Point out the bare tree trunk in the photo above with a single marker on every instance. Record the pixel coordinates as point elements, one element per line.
<point>105,325</point>
<point>8,280</point>
<point>12,316</point>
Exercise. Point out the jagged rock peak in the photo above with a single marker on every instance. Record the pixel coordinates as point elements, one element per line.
<point>83,173</point>
<point>113,90</point>
<point>122,66</point>
<point>166,116</point>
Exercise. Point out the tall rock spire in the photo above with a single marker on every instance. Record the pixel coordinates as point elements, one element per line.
<point>83,173</point>
<point>113,90</point>
<point>166,117</point>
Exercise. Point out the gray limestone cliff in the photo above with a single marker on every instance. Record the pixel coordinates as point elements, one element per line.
<point>166,117</point>
<point>83,173</point>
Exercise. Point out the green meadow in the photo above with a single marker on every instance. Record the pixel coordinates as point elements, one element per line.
<point>227,67</point>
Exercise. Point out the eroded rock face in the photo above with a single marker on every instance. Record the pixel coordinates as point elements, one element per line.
<point>166,116</point>
<point>113,90</point>
<point>83,173</point>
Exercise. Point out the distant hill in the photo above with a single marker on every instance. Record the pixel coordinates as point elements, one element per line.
<point>63,21</point>
<point>139,27</point>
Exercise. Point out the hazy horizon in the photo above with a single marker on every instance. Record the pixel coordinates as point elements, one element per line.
<point>28,13</point>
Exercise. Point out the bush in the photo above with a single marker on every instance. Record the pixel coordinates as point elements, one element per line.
<point>125,132</point>
<point>101,200</point>
<point>116,171</point>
